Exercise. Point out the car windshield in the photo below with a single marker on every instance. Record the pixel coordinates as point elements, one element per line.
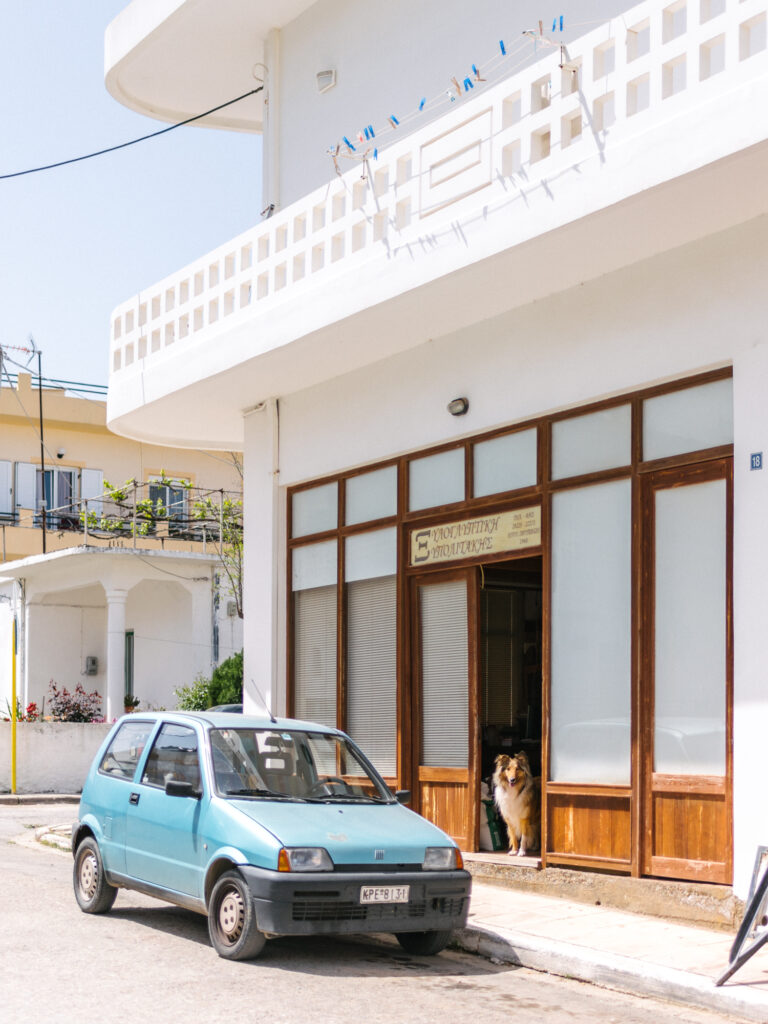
<point>293,765</point>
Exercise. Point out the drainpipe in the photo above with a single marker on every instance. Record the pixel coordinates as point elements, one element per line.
<point>271,153</point>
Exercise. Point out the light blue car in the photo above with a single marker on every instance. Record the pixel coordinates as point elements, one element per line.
<point>267,826</point>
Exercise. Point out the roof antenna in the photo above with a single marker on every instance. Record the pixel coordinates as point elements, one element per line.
<point>263,701</point>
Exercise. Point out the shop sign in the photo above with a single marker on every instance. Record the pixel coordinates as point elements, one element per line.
<point>473,538</point>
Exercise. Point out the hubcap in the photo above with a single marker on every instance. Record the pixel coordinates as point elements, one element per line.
<point>89,872</point>
<point>231,915</point>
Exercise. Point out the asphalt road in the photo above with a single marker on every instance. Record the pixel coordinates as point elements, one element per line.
<point>145,961</point>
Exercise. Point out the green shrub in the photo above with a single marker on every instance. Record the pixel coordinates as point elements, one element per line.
<point>227,681</point>
<point>196,697</point>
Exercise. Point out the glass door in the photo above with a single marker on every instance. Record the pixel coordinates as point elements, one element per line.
<point>687,686</point>
<point>444,726</point>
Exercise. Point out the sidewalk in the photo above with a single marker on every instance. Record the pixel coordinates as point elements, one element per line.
<point>642,955</point>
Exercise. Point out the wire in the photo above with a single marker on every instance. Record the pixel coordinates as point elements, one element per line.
<point>133,142</point>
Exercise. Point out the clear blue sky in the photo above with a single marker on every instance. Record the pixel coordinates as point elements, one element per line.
<point>77,241</point>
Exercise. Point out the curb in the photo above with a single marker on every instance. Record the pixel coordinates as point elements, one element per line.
<point>9,799</point>
<point>611,970</point>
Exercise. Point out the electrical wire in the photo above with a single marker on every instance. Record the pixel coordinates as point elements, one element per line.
<point>133,142</point>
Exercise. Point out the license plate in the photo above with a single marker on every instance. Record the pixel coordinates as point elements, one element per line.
<point>385,893</point>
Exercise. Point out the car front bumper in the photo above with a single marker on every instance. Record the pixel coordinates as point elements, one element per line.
<point>297,903</point>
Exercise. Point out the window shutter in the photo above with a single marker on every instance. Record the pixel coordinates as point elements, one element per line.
<point>6,481</point>
<point>26,485</point>
<point>315,654</point>
<point>372,669</point>
<point>444,675</point>
<point>92,488</point>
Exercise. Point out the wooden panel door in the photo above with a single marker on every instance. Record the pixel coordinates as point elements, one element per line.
<point>444,674</point>
<point>687,673</point>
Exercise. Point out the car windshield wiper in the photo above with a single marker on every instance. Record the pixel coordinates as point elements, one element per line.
<point>260,792</point>
<point>351,798</point>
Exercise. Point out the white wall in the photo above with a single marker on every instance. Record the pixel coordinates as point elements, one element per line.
<point>59,637</point>
<point>387,57</point>
<point>51,757</point>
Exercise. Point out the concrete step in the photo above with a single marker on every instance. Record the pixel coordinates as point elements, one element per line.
<point>696,903</point>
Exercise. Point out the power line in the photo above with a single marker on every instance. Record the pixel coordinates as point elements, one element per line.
<point>133,142</point>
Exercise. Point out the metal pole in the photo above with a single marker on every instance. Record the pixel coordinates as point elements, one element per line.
<point>135,485</point>
<point>13,708</point>
<point>42,445</point>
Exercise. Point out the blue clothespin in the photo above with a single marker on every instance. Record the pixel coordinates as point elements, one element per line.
<point>561,23</point>
<point>393,121</point>
<point>503,48</point>
<point>348,144</point>
<point>375,154</point>
<point>369,132</point>
<point>421,105</point>
<point>468,84</point>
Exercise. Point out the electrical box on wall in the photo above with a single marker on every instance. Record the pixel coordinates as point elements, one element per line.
<point>231,609</point>
<point>91,665</point>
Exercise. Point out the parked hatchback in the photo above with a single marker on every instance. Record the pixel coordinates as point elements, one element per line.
<point>268,827</point>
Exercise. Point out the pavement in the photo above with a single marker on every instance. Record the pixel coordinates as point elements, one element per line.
<point>616,949</point>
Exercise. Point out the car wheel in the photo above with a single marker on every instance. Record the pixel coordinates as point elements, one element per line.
<point>232,919</point>
<point>93,892</point>
<point>423,943</point>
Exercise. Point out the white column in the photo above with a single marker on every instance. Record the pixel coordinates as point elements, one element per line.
<point>115,653</point>
<point>261,534</point>
<point>750,571</point>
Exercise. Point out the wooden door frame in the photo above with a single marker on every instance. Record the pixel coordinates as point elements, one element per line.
<point>650,781</point>
<point>470,575</point>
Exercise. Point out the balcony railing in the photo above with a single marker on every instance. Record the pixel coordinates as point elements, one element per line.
<point>561,116</point>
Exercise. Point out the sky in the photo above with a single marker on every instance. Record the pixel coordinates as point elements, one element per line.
<point>77,241</point>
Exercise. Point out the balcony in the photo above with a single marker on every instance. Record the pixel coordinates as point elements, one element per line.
<point>641,136</point>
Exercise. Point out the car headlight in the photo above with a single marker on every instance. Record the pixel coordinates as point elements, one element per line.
<point>304,858</point>
<point>442,858</point>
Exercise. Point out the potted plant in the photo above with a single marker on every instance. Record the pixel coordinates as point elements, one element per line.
<point>130,703</point>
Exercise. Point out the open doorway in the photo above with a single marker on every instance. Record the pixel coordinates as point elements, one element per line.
<point>510,661</point>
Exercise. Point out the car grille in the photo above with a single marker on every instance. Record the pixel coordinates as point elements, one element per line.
<point>346,910</point>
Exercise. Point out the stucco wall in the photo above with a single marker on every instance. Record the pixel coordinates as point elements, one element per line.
<point>51,757</point>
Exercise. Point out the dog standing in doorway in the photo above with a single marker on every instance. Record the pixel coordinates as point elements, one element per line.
<point>518,797</point>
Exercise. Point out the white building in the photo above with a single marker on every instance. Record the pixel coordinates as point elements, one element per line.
<point>564,225</point>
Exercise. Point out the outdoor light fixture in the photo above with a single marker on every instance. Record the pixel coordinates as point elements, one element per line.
<point>326,79</point>
<point>458,407</point>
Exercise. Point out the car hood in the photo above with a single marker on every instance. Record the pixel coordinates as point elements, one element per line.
<point>351,833</point>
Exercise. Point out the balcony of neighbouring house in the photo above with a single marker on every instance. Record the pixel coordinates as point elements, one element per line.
<point>638,137</point>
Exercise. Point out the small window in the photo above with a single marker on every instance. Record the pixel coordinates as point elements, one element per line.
<point>505,463</point>
<point>315,510</point>
<point>372,495</point>
<point>169,501</point>
<point>688,420</point>
<point>173,757</point>
<point>123,753</point>
<point>436,480</point>
<point>592,442</point>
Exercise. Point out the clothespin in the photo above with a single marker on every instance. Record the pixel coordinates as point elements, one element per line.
<point>451,95</point>
<point>503,48</point>
<point>369,132</point>
<point>423,101</point>
<point>393,120</point>
<point>348,144</point>
<point>360,137</point>
<point>478,77</point>
<point>456,86</point>
<point>468,84</point>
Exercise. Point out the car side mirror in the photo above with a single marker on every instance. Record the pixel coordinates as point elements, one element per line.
<point>175,787</point>
<point>403,796</point>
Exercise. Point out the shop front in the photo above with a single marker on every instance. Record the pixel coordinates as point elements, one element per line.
<point>560,586</point>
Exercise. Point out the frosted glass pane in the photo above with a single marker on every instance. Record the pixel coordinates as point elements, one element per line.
<point>444,675</point>
<point>505,463</point>
<point>371,495</point>
<point>591,634</point>
<point>690,630</point>
<point>372,669</point>
<point>686,421</point>
<point>314,565</point>
<point>436,480</point>
<point>587,444</point>
<point>369,555</point>
<point>315,510</point>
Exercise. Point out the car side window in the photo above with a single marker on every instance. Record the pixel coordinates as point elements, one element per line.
<point>174,755</point>
<point>122,755</point>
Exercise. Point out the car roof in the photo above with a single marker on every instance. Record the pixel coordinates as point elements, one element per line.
<point>228,720</point>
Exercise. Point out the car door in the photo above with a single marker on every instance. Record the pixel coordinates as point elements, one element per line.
<point>163,841</point>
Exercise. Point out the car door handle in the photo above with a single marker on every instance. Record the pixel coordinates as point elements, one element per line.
<point>134,798</point>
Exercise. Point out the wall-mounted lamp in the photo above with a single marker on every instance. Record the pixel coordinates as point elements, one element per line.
<point>326,79</point>
<point>61,453</point>
<point>458,407</point>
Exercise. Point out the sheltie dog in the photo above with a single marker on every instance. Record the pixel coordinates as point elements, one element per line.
<point>518,797</point>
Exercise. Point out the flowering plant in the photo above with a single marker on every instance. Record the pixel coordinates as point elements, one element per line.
<point>77,706</point>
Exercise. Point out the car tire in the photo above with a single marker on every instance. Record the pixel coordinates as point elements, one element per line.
<point>232,919</point>
<point>423,943</point>
<point>93,892</point>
